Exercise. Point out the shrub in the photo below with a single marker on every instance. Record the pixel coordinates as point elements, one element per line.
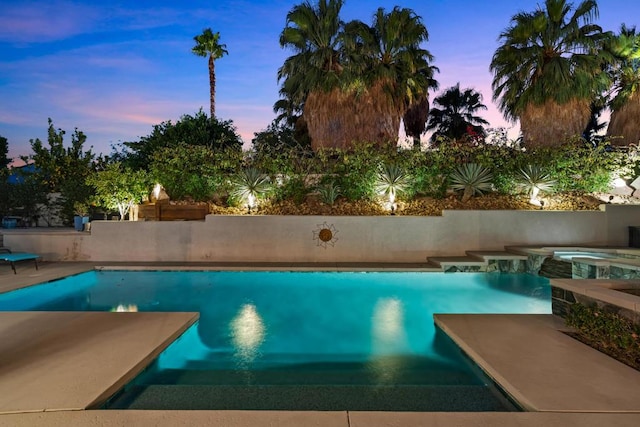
<point>578,167</point>
<point>354,170</point>
<point>119,187</point>
<point>608,332</point>
<point>292,187</point>
<point>187,171</point>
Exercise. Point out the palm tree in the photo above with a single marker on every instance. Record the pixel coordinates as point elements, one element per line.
<point>417,114</point>
<point>546,72</point>
<point>624,128</point>
<point>354,81</point>
<point>313,72</point>
<point>207,44</point>
<point>455,118</point>
<point>394,69</point>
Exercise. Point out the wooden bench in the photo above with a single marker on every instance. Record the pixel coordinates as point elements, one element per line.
<point>12,258</point>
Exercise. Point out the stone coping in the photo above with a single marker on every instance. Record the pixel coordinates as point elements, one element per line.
<point>327,267</point>
<point>604,290</point>
<point>550,250</point>
<point>540,367</point>
<point>625,263</point>
<point>496,255</point>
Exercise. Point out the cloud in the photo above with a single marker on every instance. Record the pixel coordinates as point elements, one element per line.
<point>35,21</point>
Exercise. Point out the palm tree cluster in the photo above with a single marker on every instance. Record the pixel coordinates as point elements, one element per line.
<point>353,82</point>
<point>556,69</point>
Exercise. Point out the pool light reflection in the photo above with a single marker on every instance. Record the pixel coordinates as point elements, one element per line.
<point>389,339</point>
<point>247,333</point>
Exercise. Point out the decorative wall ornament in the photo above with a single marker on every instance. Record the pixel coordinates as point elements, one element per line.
<point>325,234</point>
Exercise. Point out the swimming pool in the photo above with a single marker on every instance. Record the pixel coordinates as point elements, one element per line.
<point>302,340</point>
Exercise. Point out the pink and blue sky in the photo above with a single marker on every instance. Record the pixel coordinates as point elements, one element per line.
<point>114,69</point>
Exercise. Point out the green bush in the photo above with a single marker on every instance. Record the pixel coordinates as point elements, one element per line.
<point>608,332</point>
<point>292,187</point>
<point>355,170</point>
<point>576,166</point>
<point>198,172</point>
<point>188,171</point>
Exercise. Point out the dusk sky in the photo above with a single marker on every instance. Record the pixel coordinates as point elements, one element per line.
<point>114,69</point>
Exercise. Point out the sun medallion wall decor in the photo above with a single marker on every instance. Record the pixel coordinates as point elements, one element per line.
<point>325,234</point>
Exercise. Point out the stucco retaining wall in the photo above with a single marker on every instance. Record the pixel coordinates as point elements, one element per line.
<point>354,239</point>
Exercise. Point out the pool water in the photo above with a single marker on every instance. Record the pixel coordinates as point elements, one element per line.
<point>302,340</point>
<point>569,255</point>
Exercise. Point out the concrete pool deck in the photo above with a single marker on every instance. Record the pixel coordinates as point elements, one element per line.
<point>48,359</point>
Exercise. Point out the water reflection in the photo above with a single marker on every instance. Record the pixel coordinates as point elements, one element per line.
<point>125,308</point>
<point>247,334</point>
<point>389,339</point>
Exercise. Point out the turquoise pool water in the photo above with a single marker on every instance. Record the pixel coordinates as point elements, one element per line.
<point>302,340</point>
<point>569,255</point>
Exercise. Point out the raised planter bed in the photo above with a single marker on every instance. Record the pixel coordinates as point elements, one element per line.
<point>172,212</point>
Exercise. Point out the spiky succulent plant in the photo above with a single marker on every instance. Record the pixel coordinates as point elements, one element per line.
<point>532,179</point>
<point>472,179</point>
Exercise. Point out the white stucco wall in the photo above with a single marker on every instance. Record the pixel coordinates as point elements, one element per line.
<point>357,239</point>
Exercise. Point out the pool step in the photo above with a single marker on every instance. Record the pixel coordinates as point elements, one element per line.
<point>482,261</point>
<point>459,263</point>
<point>496,255</point>
<point>369,377</point>
<point>312,398</point>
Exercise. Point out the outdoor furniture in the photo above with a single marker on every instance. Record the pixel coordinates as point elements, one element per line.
<point>12,258</point>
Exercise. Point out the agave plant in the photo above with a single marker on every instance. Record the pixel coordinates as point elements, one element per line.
<point>471,178</point>
<point>248,186</point>
<point>391,181</point>
<point>533,179</point>
<point>329,192</point>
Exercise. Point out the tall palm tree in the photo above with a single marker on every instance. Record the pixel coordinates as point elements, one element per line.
<point>624,127</point>
<point>313,72</point>
<point>208,44</point>
<point>455,114</point>
<point>546,70</point>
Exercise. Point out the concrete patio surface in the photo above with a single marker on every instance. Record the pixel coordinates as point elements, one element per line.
<point>58,364</point>
<point>542,368</point>
<point>316,419</point>
<point>77,360</point>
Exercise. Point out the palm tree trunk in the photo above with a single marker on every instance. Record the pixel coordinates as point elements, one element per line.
<point>212,86</point>
<point>339,119</point>
<point>552,124</point>
<point>624,126</point>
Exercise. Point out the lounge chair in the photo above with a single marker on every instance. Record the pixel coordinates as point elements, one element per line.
<point>12,258</point>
